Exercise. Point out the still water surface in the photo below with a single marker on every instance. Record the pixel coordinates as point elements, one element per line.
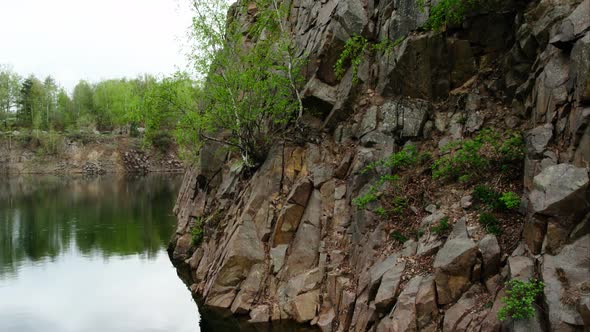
<point>88,255</point>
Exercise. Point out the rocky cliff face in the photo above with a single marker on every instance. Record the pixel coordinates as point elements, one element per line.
<point>288,243</point>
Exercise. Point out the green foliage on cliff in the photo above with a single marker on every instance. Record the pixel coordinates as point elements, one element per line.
<point>351,57</point>
<point>398,236</point>
<point>465,160</point>
<point>354,49</point>
<point>510,200</point>
<point>520,299</point>
<point>442,227</point>
<point>486,195</point>
<point>494,200</point>
<point>197,232</point>
<point>407,157</point>
<point>490,223</point>
<point>371,195</point>
<point>471,158</point>
<point>251,88</point>
<point>166,110</point>
<point>400,160</point>
<point>447,12</point>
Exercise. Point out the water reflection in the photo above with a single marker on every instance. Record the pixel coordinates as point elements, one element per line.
<point>42,217</point>
<point>80,254</point>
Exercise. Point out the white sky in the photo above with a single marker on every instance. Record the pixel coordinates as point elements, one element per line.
<point>93,39</point>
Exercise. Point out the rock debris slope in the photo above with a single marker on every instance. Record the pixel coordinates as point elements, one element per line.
<point>292,242</point>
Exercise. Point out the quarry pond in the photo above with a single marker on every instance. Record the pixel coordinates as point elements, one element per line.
<point>89,254</point>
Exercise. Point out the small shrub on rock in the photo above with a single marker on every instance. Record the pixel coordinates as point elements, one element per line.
<point>400,204</point>
<point>370,196</point>
<point>494,200</point>
<point>405,158</point>
<point>486,195</point>
<point>197,232</point>
<point>512,149</point>
<point>490,223</point>
<point>466,160</point>
<point>381,211</point>
<point>399,237</point>
<point>352,55</point>
<point>510,200</point>
<point>520,299</point>
<point>470,159</point>
<point>447,12</point>
<point>418,233</point>
<point>442,228</point>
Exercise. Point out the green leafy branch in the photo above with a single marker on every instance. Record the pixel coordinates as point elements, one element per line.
<point>354,49</point>
<point>520,299</point>
<point>447,12</point>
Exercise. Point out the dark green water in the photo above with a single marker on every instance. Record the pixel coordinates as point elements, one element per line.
<point>82,255</point>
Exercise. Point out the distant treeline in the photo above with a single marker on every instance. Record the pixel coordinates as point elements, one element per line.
<point>156,104</point>
<point>249,96</point>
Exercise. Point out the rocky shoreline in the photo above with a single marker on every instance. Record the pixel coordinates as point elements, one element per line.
<point>96,157</point>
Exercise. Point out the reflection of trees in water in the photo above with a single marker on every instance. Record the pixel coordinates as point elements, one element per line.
<point>43,217</point>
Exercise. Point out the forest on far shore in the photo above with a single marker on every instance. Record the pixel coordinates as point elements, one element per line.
<point>146,105</point>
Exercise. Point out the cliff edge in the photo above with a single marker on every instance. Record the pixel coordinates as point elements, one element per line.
<point>377,216</point>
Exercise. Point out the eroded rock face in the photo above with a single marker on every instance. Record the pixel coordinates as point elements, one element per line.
<point>564,276</point>
<point>389,287</point>
<point>290,244</point>
<point>558,188</point>
<point>244,251</point>
<point>538,138</point>
<point>406,116</point>
<point>426,304</point>
<point>459,317</point>
<point>403,316</point>
<point>453,265</point>
<point>491,255</point>
<point>581,66</point>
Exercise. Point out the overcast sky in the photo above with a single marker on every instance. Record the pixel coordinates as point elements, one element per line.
<point>93,39</point>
